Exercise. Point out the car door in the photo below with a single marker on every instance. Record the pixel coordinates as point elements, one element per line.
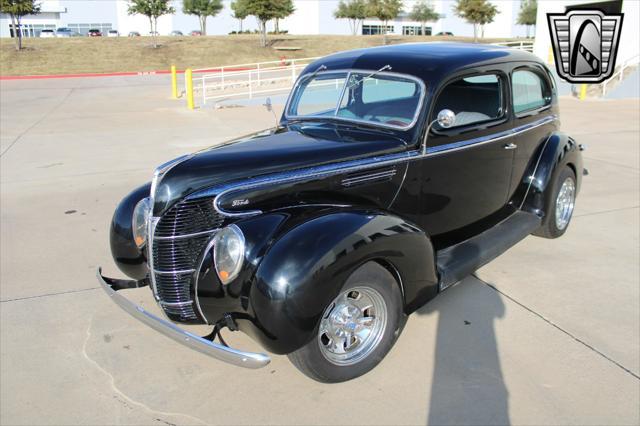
<point>466,172</point>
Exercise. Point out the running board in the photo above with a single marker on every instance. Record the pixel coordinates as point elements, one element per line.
<point>459,261</point>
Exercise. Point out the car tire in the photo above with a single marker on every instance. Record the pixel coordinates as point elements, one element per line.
<point>326,357</point>
<point>560,205</point>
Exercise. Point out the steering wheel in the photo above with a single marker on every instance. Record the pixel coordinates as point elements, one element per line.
<point>395,122</point>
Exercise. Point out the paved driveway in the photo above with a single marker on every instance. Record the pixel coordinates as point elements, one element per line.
<point>546,334</point>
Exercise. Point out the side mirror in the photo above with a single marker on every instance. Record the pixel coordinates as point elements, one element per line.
<point>269,106</point>
<point>446,118</point>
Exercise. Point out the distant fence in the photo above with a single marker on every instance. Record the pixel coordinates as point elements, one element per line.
<point>522,45</point>
<point>248,80</point>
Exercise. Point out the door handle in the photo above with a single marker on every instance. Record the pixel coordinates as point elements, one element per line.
<point>510,146</point>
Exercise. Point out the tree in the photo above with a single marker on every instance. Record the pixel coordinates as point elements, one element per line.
<point>424,12</point>
<point>264,11</point>
<point>528,13</point>
<point>384,10</point>
<point>476,12</point>
<point>354,10</point>
<point>202,9</point>
<point>239,8</point>
<point>284,8</point>
<point>152,9</point>
<point>17,9</point>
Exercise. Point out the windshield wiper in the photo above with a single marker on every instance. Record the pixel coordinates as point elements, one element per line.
<point>355,83</point>
<point>313,74</point>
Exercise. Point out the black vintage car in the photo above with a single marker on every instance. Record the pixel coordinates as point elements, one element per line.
<point>394,173</point>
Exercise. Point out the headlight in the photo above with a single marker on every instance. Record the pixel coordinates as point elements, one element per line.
<point>140,220</point>
<point>228,253</point>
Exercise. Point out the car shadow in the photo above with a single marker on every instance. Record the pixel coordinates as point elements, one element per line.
<point>467,386</point>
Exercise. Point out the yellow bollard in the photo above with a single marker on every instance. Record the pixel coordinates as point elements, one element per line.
<point>188,77</point>
<point>583,92</point>
<point>174,82</point>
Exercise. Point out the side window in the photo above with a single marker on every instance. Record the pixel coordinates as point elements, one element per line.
<point>530,91</point>
<point>474,99</point>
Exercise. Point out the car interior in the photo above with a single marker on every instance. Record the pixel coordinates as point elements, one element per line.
<point>473,99</point>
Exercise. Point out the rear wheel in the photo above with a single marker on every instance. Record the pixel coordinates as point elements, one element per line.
<point>560,207</point>
<point>357,328</point>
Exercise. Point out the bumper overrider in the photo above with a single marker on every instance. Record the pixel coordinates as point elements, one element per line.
<point>201,344</point>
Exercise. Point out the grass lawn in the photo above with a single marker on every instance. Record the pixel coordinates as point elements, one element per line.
<point>104,54</point>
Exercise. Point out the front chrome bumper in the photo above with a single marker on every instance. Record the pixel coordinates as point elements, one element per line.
<point>215,350</point>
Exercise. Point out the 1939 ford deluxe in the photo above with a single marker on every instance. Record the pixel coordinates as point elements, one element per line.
<point>393,173</point>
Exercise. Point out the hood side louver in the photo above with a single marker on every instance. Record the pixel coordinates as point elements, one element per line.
<point>382,174</point>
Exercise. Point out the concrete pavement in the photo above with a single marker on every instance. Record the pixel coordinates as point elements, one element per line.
<point>549,333</point>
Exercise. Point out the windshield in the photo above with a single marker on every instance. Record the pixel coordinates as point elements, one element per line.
<point>384,99</point>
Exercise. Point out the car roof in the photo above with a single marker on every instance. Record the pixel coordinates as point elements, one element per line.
<point>427,61</point>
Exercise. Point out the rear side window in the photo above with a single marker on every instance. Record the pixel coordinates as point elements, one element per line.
<point>530,91</point>
<point>474,99</point>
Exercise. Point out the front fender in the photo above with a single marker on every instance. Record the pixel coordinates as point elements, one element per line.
<point>557,152</point>
<point>126,254</point>
<point>309,260</point>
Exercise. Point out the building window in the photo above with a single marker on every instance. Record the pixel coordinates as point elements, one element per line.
<point>376,29</point>
<point>415,30</point>
<point>83,29</point>
<point>30,30</point>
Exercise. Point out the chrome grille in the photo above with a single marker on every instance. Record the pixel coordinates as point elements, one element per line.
<point>179,238</point>
<point>189,217</point>
<point>177,254</point>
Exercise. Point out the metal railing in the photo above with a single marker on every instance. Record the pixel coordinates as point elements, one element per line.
<point>248,80</point>
<point>632,61</point>
<point>526,45</point>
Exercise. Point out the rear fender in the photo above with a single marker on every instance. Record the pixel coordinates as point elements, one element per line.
<point>557,152</point>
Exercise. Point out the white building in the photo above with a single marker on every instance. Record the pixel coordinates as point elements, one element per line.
<point>310,17</point>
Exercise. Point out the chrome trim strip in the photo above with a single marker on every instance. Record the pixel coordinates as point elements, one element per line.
<point>456,146</point>
<point>176,304</point>
<point>175,271</point>
<point>195,234</point>
<point>348,72</point>
<point>158,173</point>
<point>311,173</point>
<point>533,175</point>
<point>153,222</point>
<point>404,177</point>
<point>208,247</point>
<point>321,172</point>
<point>212,349</point>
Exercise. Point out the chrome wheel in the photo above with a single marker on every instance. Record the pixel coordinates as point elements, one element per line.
<point>352,326</point>
<point>565,203</point>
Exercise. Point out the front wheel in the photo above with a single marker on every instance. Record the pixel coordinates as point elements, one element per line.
<point>561,205</point>
<point>357,328</point>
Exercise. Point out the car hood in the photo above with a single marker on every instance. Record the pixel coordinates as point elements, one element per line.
<point>294,147</point>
